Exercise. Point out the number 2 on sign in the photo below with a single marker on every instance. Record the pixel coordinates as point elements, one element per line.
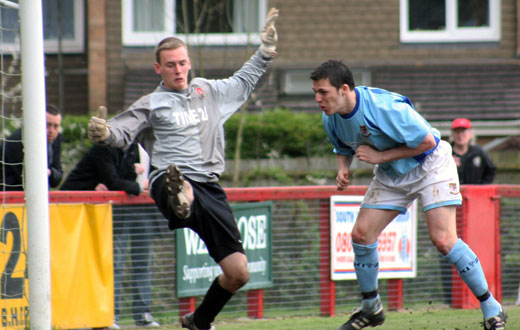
<point>11,287</point>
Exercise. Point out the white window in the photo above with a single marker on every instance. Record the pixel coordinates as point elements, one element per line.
<point>427,21</point>
<point>69,12</point>
<point>206,22</point>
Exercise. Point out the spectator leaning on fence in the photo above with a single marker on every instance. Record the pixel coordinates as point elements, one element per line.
<point>105,168</point>
<point>473,164</point>
<point>382,128</point>
<point>187,156</point>
<point>12,168</point>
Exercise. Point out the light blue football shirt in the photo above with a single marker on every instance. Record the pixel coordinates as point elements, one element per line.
<point>383,120</point>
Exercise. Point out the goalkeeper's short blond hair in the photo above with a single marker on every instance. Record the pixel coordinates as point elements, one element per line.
<point>168,44</point>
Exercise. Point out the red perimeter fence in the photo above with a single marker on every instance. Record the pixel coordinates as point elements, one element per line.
<point>488,221</point>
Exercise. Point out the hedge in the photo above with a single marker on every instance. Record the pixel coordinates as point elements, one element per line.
<point>277,133</point>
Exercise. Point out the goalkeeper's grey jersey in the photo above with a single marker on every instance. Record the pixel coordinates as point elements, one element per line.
<point>186,128</point>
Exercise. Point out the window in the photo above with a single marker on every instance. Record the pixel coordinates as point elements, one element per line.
<point>72,26</point>
<point>206,22</point>
<point>423,21</point>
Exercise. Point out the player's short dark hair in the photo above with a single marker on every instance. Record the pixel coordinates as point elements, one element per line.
<point>337,73</point>
<point>53,110</point>
<point>168,43</point>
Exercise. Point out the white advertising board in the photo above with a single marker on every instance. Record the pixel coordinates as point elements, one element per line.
<point>396,244</point>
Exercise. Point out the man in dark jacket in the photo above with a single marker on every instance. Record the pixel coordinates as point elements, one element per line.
<point>107,168</point>
<point>112,167</point>
<point>473,164</point>
<point>12,155</point>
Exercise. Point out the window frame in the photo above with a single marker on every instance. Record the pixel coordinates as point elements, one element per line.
<point>76,45</point>
<point>452,32</point>
<point>131,38</point>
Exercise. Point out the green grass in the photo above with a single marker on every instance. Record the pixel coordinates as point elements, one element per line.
<point>434,318</point>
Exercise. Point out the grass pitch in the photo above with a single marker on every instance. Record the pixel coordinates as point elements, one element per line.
<point>432,318</point>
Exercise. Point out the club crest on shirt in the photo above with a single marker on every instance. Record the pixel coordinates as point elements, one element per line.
<point>454,188</point>
<point>200,92</point>
<point>477,161</point>
<point>364,131</point>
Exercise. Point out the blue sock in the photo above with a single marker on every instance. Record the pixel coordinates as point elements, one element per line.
<point>490,307</point>
<point>470,270</point>
<point>366,264</point>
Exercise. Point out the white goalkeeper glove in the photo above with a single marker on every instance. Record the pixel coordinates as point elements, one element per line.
<point>97,126</point>
<point>269,36</point>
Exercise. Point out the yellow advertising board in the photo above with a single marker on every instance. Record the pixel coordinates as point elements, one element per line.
<point>81,266</point>
<point>14,303</point>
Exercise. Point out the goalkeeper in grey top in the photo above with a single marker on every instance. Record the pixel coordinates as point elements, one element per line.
<point>182,123</point>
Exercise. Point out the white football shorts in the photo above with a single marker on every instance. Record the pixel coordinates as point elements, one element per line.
<point>435,182</point>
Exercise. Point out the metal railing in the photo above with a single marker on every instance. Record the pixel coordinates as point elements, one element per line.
<point>299,259</point>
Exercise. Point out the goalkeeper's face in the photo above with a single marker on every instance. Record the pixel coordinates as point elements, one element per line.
<point>174,68</point>
<point>53,127</point>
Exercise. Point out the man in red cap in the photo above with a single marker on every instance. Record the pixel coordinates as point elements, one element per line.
<point>473,164</point>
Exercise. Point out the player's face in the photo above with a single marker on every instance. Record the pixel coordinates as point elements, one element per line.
<point>53,127</point>
<point>462,136</point>
<point>174,68</point>
<point>330,99</point>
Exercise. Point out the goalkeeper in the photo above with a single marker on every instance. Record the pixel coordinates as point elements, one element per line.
<point>182,123</point>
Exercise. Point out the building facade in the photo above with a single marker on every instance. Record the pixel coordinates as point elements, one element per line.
<point>452,58</point>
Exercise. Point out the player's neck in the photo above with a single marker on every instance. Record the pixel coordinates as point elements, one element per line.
<point>350,103</point>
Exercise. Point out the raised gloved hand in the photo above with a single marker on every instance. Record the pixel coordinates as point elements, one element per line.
<point>268,35</point>
<point>97,126</point>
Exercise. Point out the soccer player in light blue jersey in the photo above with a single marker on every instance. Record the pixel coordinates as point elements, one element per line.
<point>411,161</point>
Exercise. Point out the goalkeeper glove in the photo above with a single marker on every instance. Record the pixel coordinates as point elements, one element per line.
<point>97,126</point>
<point>269,36</point>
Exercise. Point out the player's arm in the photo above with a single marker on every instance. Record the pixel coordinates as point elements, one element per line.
<point>123,128</point>
<point>231,93</point>
<point>342,179</point>
<point>372,156</point>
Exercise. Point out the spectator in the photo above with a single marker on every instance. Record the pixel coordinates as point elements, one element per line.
<point>473,164</point>
<point>12,177</point>
<point>106,168</point>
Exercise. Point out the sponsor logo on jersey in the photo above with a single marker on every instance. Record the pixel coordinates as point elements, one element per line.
<point>190,117</point>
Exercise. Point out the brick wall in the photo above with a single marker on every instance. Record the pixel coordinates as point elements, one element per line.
<point>74,83</point>
<point>365,34</point>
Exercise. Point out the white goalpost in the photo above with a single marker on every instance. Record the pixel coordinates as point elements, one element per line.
<point>35,160</point>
